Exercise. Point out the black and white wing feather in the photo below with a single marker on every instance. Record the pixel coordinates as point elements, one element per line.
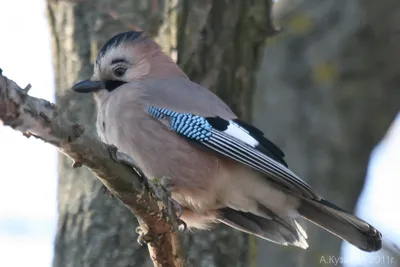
<point>239,141</point>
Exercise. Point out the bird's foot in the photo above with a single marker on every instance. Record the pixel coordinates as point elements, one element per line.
<point>175,207</point>
<point>162,189</point>
<point>181,225</point>
<point>143,238</point>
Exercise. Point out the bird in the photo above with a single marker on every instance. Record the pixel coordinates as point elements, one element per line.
<point>222,169</point>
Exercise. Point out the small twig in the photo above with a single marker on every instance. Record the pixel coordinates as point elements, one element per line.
<point>27,88</point>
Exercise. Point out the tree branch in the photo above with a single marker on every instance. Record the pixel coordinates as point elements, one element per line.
<point>40,118</point>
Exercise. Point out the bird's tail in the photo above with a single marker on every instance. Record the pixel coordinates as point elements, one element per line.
<point>342,224</point>
<point>283,231</point>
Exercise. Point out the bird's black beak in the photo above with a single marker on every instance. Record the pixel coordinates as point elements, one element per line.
<point>88,86</point>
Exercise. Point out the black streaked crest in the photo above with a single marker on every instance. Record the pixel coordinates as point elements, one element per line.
<point>116,41</point>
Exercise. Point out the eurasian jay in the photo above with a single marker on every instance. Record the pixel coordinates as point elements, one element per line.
<point>222,169</point>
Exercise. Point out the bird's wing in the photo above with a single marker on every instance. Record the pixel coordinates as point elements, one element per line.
<point>237,140</point>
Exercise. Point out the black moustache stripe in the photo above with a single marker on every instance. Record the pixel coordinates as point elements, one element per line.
<point>111,85</point>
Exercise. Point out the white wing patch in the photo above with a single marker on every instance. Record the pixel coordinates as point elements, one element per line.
<point>238,132</point>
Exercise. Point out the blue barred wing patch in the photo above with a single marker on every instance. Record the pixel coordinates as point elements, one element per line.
<point>186,124</point>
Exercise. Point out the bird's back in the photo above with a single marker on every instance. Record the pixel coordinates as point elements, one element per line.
<point>183,95</point>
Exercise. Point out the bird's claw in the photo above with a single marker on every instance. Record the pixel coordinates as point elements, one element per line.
<point>143,239</point>
<point>175,208</point>
<point>181,223</point>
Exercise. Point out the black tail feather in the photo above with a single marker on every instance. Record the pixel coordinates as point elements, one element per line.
<point>342,224</point>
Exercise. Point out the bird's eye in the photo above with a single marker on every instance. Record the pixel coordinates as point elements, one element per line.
<point>119,72</point>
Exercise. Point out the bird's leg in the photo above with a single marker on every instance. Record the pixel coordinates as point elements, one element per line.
<point>162,189</point>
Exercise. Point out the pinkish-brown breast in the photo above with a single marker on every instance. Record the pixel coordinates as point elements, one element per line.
<point>159,152</point>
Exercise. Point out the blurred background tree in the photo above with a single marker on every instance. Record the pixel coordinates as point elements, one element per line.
<point>324,90</point>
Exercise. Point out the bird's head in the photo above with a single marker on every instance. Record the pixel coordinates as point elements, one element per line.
<point>119,61</point>
<point>127,57</point>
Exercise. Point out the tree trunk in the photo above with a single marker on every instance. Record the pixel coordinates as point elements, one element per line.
<point>326,92</point>
<point>94,230</point>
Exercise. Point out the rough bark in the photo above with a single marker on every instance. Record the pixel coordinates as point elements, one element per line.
<point>92,229</point>
<point>326,92</point>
